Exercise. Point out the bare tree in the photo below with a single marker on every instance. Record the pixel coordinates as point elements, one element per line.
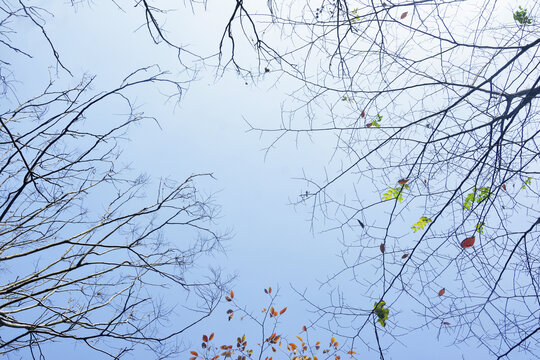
<point>90,252</point>
<point>432,107</point>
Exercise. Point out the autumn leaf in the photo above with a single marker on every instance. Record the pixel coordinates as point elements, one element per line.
<point>232,295</point>
<point>194,353</point>
<point>382,247</point>
<point>361,223</point>
<point>211,337</point>
<point>404,256</point>
<point>403,181</point>
<point>351,352</point>
<point>304,328</point>
<point>504,187</point>
<point>228,298</point>
<point>369,125</point>
<point>205,338</point>
<point>468,242</point>
<point>441,292</point>
<point>404,15</point>
<point>363,114</point>
<point>446,323</point>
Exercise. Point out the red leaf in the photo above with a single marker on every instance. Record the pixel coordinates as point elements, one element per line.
<point>404,15</point>
<point>363,114</point>
<point>283,310</point>
<point>441,292</point>
<point>504,187</point>
<point>304,328</point>
<point>205,338</point>
<point>404,256</point>
<point>446,323</point>
<point>228,298</point>
<point>382,248</point>
<point>403,181</point>
<point>369,125</point>
<point>211,337</point>
<point>468,242</point>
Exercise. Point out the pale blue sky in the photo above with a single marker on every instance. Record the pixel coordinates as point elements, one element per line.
<point>272,242</point>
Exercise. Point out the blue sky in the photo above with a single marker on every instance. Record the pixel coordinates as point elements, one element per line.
<point>273,243</point>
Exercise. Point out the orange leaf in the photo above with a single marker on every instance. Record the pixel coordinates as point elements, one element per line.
<point>304,328</point>
<point>403,181</point>
<point>404,256</point>
<point>232,295</point>
<point>204,338</point>
<point>283,310</point>
<point>299,338</point>
<point>351,352</point>
<point>211,337</point>
<point>194,353</point>
<point>404,15</point>
<point>468,242</point>
<point>382,248</point>
<point>332,340</point>
<point>441,292</point>
<point>270,290</point>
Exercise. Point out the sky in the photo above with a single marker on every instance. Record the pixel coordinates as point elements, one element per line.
<point>272,242</point>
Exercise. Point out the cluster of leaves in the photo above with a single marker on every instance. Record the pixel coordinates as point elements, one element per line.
<point>395,193</point>
<point>521,16</point>
<point>527,182</point>
<point>478,195</point>
<point>376,122</point>
<point>421,223</point>
<point>381,312</point>
<point>355,15</point>
<point>275,345</point>
<point>480,227</point>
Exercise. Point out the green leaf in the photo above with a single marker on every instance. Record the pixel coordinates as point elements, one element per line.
<point>527,182</point>
<point>521,16</point>
<point>395,193</point>
<point>381,312</point>
<point>480,227</point>
<point>421,223</point>
<point>478,195</point>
